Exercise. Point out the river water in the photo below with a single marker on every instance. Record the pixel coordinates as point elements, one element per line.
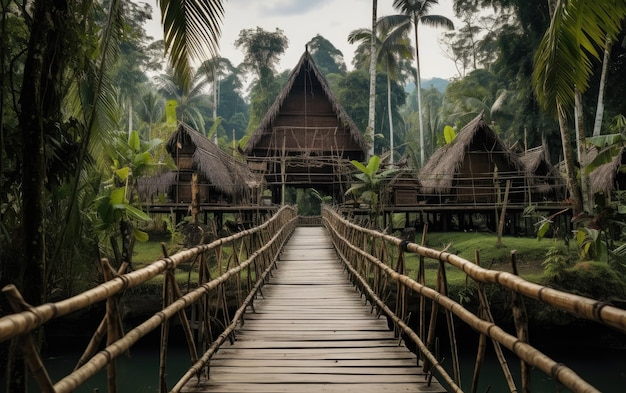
<point>605,369</point>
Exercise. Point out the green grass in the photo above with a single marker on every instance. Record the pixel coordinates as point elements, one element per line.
<point>530,253</point>
<point>146,253</point>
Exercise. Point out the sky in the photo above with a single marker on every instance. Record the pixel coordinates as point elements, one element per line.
<point>302,20</point>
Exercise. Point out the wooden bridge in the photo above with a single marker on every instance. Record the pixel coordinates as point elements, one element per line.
<point>317,309</point>
<point>311,331</point>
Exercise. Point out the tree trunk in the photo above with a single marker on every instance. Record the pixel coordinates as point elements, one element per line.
<point>580,144</point>
<point>369,134</point>
<point>597,125</point>
<point>568,156</point>
<point>391,148</point>
<point>418,86</point>
<point>39,117</point>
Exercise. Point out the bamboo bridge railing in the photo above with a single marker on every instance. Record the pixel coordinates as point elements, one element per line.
<point>369,255</point>
<point>229,263</point>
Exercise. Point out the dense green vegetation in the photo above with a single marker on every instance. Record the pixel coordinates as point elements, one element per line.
<point>81,118</point>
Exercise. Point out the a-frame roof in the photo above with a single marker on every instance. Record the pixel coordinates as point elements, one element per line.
<point>440,171</point>
<point>306,65</point>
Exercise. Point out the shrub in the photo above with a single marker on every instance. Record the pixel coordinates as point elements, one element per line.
<point>592,279</point>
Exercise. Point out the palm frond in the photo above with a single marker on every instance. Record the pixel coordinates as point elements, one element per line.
<point>563,61</point>
<point>190,27</point>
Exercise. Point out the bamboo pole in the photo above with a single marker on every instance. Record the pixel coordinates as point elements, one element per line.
<point>577,305</point>
<point>505,202</point>
<point>27,343</point>
<point>165,331</point>
<point>487,316</point>
<point>113,332</point>
<point>97,337</point>
<point>443,289</point>
<point>523,350</point>
<point>521,325</point>
<point>421,278</point>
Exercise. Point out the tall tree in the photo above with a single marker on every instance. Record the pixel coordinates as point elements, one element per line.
<point>192,100</point>
<point>262,50</point>
<point>371,118</point>
<point>563,65</point>
<point>393,46</point>
<point>70,48</point>
<point>327,57</point>
<point>352,91</point>
<point>415,12</point>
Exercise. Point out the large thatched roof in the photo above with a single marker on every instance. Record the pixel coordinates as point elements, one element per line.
<point>604,177</point>
<point>440,171</point>
<point>222,171</point>
<point>305,64</point>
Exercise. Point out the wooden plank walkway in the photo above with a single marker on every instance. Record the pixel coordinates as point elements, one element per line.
<point>312,332</point>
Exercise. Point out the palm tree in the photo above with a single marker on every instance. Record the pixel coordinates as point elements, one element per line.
<point>414,12</point>
<point>563,65</point>
<point>371,118</point>
<point>189,99</point>
<point>393,46</point>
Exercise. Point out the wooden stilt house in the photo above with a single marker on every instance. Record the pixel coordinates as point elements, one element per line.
<point>205,175</point>
<point>306,139</point>
<point>472,170</point>
<point>544,183</point>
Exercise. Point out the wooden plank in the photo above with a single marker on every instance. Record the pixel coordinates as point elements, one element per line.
<point>311,388</point>
<point>311,331</point>
<point>402,362</point>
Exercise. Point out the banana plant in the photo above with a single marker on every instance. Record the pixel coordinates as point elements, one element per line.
<point>371,181</point>
<point>611,145</point>
<point>130,159</point>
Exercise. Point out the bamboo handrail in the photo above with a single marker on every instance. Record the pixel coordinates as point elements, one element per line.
<point>578,305</point>
<point>26,321</point>
<point>575,304</point>
<point>271,234</point>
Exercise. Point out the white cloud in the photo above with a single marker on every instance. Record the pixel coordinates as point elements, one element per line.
<point>301,20</point>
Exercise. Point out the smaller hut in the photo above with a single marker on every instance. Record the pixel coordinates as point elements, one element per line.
<point>544,181</point>
<point>472,169</point>
<point>609,177</point>
<point>402,189</point>
<point>216,177</point>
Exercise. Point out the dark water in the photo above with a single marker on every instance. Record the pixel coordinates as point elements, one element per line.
<point>605,369</point>
<point>138,373</point>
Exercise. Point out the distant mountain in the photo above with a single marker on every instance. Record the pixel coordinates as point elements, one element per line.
<point>438,83</point>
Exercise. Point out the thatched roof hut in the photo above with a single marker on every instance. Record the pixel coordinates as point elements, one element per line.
<point>542,176</point>
<point>306,138</point>
<point>607,177</point>
<point>220,175</point>
<point>466,170</point>
<point>402,188</point>
<point>301,104</point>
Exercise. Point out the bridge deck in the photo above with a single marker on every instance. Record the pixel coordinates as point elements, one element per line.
<point>312,332</point>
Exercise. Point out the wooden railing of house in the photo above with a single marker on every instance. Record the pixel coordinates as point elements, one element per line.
<point>488,189</point>
<point>226,264</point>
<point>368,256</point>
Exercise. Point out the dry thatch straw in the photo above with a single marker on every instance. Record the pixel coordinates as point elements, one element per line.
<point>223,172</point>
<point>441,170</point>
<point>306,64</point>
<point>604,177</point>
<point>541,174</point>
